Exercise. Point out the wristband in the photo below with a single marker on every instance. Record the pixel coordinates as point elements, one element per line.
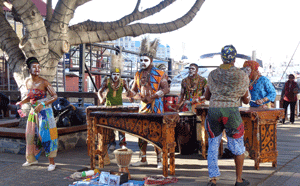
<point>43,103</point>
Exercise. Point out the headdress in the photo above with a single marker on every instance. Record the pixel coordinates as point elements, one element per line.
<point>228,53</point>
<point>116,63</point>
<point>252,64</point>
<point>31,60</point>
<point>149,48</point>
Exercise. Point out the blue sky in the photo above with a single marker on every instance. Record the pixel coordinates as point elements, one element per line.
<point>270,27</point>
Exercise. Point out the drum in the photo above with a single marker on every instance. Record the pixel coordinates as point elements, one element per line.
<point>170,102</point>
<point>123,158</point>
<point>186,133</point>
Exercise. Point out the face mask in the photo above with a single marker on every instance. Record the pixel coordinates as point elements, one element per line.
<point>115,76</point>
<point>35,69</point>
<point>145,62</point>
<point>192,71</point>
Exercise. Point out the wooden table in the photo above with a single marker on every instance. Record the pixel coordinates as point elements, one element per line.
<point>157,129</point>
<point>260,125</point>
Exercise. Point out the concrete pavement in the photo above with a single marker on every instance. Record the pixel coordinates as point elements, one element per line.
<point>190,169</point>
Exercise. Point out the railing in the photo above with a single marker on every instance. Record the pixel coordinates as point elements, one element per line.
<point>15,94</point>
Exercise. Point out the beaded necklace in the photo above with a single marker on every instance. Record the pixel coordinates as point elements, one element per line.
<point>253,82</point>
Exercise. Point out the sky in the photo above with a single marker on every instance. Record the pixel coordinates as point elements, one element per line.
<point>269,27</point>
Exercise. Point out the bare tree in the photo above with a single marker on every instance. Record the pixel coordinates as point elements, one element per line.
<point>48,40</point>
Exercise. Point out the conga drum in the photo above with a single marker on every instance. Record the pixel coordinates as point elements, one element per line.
<point>170,101</point>
<point>186,133</point>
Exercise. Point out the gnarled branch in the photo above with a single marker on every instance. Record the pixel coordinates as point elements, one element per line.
<point>10,45</point>
<point>35,42</point>
<point>134,16</point>
<point>49,13</point>
<point>134,29</point>
<point>58,29</point>
<point>80,2</point>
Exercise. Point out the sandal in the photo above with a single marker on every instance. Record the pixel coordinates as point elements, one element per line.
<point>210,183</point>
<point>244,183</point>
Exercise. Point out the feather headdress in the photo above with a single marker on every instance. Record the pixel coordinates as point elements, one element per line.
<point>149,48</point>
<point>116,63</point>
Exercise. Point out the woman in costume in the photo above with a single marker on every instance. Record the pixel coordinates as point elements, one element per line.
<point>41,130</point>
<point>261,89</point>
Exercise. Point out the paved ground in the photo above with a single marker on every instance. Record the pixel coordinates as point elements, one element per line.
<point>190,169</point>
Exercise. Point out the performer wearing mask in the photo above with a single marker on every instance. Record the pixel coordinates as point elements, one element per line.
<point>114,87</point>
<point>192,89</point>
<point>151,84</point>
<point>41,130</point>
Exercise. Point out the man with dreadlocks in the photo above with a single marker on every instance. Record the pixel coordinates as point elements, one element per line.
<point>226,87</point>
<point>151,84</point>
<point>114,86</point>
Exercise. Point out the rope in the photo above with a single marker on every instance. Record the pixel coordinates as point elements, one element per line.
<point>289,62</point>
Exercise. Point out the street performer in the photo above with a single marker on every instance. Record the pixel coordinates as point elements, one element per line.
<point>114,86</point>
<point>227,86</point>
<point>151,84</point>
<point>192,89</point>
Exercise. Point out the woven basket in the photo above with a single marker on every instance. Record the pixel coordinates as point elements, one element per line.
<point>123,157</point>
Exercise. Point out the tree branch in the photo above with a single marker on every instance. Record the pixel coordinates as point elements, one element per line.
<point>80,2</point>
<point>134,16</point>
<point>49,13</point>
<point>78,37</point>
<point>35,41</point>
<point>58,29</point>
<point>9,43</point>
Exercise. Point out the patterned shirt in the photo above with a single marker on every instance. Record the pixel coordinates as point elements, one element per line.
<point>262,88</point>
<point>227,85</point>
<point>155,77</point>
<point>195,88</point>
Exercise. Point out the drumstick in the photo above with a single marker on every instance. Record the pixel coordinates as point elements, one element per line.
<point>171,108</point>
<point>255,102</point>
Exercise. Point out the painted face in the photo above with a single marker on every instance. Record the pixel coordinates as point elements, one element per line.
<point>145,62</point>
<point>115,76</point>
<point>254,74</point>
<point>35,69</point>
<point>192,70</point>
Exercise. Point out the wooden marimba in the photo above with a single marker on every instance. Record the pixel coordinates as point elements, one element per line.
<point>91,132</point>
<point>260,138</point>
<point>157,129</point>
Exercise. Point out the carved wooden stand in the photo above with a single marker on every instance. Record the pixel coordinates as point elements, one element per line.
<point>157,129</point>
<point>261,134</point>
